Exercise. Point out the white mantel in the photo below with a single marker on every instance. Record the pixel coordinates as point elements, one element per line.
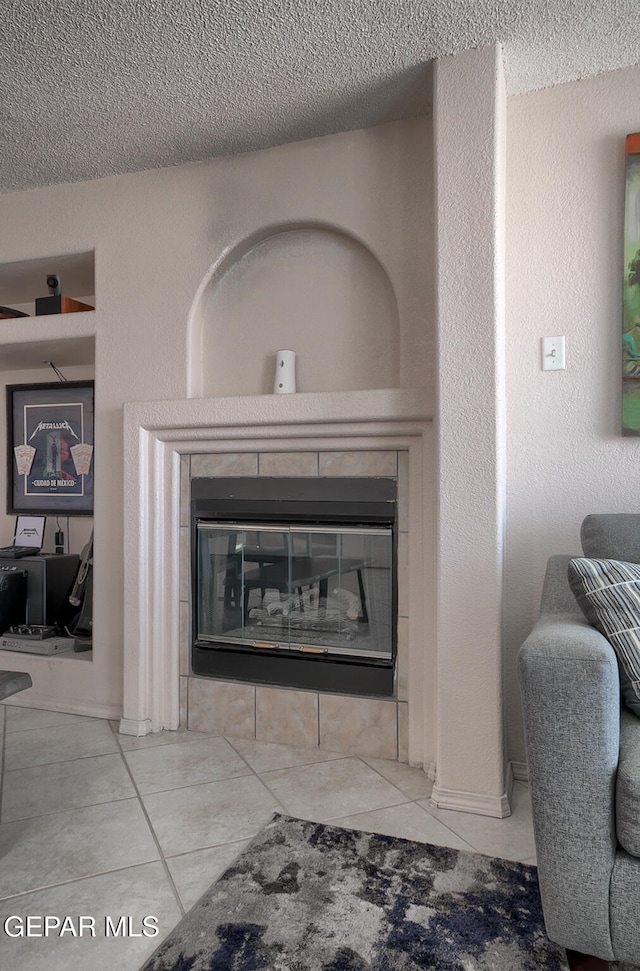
<point>158,433</point>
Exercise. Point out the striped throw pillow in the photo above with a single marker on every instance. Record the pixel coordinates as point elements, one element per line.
<point>608,592</point>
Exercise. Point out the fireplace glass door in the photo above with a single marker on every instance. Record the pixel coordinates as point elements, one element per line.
<point>324,589</point>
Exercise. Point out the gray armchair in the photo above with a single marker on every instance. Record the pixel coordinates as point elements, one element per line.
<point>583,751</point>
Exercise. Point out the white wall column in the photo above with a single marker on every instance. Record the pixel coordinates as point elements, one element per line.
<point>470,148</point>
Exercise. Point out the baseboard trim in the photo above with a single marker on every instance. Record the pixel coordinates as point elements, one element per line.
<point>520,771</point>
<point>471,802</point>
<point>135,726</point>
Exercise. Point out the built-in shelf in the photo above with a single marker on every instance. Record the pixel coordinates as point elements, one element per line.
<point>23,281</point>
<point>27,659</point>
<point>67,339</point>
<point>33,342</point>
<point>35,354</point>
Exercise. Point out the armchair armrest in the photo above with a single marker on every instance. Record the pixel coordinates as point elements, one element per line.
<point>571,699</point>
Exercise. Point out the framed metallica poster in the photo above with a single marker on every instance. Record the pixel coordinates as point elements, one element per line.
<point>50,448</point>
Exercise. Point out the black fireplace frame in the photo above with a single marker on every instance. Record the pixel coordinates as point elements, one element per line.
<point>354,501</point>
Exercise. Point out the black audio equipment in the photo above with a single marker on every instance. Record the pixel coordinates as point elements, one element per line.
<point>50,578</point>
<point>13,597</point>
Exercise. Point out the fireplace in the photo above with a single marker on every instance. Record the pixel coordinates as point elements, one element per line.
<point>372,434</point>
<point>294,582</point>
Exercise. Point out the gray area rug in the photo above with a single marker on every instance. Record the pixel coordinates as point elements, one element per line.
<point>311,897</point>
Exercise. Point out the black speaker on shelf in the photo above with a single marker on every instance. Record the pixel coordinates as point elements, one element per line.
<point>13,598</point>
<point>49,579</point>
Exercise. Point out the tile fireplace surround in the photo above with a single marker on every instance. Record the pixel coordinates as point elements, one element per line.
<point>368,433</point>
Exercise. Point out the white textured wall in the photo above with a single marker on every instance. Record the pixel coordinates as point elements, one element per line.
<point>469,121</point>
<point>156,237</point>
<point>313,290</point>
<point>566,458</point>
<point>364,197</point>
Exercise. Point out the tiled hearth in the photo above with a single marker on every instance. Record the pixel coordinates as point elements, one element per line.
<point>373,727</point>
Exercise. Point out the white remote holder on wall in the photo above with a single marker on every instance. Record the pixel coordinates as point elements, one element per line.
<point>285,379</point>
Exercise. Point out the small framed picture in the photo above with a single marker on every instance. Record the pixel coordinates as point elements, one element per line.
<point>30,531</point>
<point>50,448</point>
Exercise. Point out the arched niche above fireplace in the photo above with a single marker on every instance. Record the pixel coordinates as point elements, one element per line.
<point>314,289</point>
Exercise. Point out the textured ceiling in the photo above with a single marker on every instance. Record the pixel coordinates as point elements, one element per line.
<point>111,86</point>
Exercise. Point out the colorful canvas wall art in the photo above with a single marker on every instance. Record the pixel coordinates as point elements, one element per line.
<point>631,290</point>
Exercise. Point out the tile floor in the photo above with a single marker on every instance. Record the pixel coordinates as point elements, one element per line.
<point>97,825</point>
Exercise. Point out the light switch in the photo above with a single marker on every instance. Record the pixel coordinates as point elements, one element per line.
<point>553,354</point>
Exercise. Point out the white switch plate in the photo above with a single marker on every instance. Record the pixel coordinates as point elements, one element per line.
<point>553,354</point>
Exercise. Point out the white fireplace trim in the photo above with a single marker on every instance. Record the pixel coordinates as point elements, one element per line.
<point>157,433</point>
